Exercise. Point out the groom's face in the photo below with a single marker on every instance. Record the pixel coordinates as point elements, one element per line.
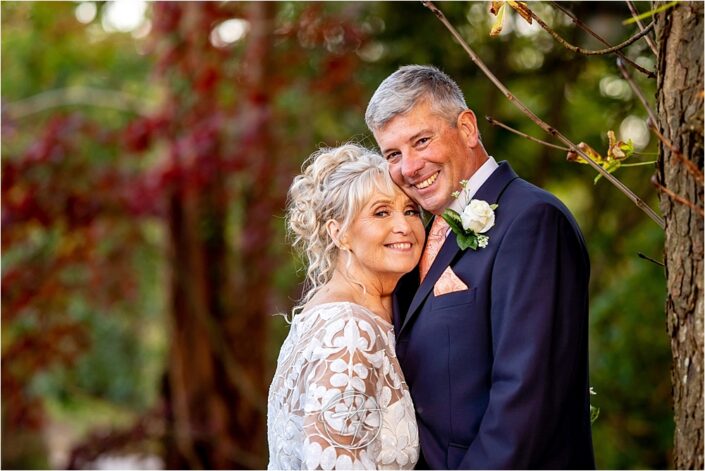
<point>428,156</point>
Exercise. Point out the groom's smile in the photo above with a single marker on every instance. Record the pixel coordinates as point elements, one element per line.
<point>428,182</point>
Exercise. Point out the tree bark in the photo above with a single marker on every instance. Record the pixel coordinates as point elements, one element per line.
<point>260,199</point>
<point>680,111</point>
<point>215,388</point>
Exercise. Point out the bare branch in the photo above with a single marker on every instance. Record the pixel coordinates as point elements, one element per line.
<point>589,30</point>
<point>494,122</point>
<point>635,15</point>
<point>640,164</point>
<point>677,198</point>
<point>651,13</point>
<point>86,96</point>
<point>588,52</point>
<point>636,90</point>
<point>646,257</point>
<point>549,129</point>
<point>500,124</point>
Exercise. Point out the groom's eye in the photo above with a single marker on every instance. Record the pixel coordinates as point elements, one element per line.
<point>422,141</point>
<point>393,155</point>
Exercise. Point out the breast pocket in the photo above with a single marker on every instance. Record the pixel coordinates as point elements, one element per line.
<point>453,300</point>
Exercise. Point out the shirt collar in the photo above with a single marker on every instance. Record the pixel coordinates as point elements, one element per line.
<point>474,184</point>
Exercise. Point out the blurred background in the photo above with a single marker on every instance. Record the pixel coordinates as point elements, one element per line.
<point>146,153</point>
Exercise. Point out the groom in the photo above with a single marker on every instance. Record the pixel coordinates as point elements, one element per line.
<point>493,342</point>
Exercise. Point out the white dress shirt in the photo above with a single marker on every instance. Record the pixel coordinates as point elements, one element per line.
<point>474,184</point>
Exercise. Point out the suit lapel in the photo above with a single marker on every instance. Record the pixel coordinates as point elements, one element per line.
<point>403,293</point>
<point>406,288</point>
<point>490,191</point>
<point>443,259</point>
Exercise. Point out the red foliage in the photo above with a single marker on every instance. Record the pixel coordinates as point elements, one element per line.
<point>138,134</point>
<point>29,354</point>
<point>79,183</point>
<point>58,198</point>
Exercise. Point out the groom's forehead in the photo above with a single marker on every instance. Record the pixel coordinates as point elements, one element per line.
<point>399,131</point>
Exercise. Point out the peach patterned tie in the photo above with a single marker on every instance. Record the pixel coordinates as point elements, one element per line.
<point>436,237</point>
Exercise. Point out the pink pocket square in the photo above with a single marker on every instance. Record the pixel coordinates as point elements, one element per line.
<point>448,283</point>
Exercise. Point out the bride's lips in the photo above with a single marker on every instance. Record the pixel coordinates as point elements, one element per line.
<point>400,246</point>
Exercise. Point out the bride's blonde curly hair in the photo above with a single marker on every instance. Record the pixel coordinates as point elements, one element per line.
<point>335,184</point>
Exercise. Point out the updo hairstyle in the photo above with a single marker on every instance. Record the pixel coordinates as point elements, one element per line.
<point>335,184</point>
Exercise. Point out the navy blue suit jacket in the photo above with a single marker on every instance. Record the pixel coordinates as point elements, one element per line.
<point>499,372</point>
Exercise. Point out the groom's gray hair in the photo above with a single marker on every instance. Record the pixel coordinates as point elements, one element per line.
<point>406,87</point>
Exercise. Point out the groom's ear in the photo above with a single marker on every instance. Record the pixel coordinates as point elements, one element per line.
<point>467,125</point>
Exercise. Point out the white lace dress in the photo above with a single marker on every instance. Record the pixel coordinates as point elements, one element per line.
<point>338,399</point>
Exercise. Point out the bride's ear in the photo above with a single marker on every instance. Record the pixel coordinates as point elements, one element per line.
<point>333,229</point>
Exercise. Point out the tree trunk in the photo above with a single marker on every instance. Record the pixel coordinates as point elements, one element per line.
<point>215,388</point>
<point>261,199</point>
<point>680,111</point>
<point>199,387</point>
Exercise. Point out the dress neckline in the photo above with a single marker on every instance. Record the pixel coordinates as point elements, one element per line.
<point>377,316</point>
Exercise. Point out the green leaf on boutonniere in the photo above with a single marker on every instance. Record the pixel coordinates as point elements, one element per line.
<point>466,241</point>
<point>453,219</point>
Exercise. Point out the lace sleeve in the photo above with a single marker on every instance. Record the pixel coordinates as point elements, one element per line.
<point>344,387</point>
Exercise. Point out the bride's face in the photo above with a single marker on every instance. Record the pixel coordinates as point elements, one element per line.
<point>387,237</point>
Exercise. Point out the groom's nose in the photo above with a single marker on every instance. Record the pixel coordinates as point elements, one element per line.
<point>411,164</point>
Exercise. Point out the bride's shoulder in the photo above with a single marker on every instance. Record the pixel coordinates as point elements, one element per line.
<point>330,310</point>
<point>358,311</point>
<point>343,311</point>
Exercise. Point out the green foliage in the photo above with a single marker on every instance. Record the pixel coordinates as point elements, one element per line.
<point>94,288</point>
<point>45,48</point>
<point>617,152</point>
<point>630,357</point>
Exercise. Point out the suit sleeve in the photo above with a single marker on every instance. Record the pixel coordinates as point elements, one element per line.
<point>539,328</point>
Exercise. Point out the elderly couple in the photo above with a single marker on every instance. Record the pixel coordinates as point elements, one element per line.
<point>461,346</point>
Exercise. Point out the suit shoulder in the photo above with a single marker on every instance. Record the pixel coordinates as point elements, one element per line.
<point>524,203</point>
<point>525,196</point>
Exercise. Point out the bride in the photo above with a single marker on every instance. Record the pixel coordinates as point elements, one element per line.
<point>338,399</point>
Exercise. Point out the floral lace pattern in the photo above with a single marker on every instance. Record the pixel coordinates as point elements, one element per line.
<point>338,399</point>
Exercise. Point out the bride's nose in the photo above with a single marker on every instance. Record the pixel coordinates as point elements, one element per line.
<point>400,223</point>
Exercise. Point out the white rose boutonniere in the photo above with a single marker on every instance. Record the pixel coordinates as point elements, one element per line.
<point>471,225</point>
<point>478,216</point>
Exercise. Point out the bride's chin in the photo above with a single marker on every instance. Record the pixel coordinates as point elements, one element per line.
<point>403,270</point>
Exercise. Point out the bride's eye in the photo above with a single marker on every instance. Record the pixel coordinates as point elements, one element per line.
<point>412,210</point>
<point>381,213</point>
